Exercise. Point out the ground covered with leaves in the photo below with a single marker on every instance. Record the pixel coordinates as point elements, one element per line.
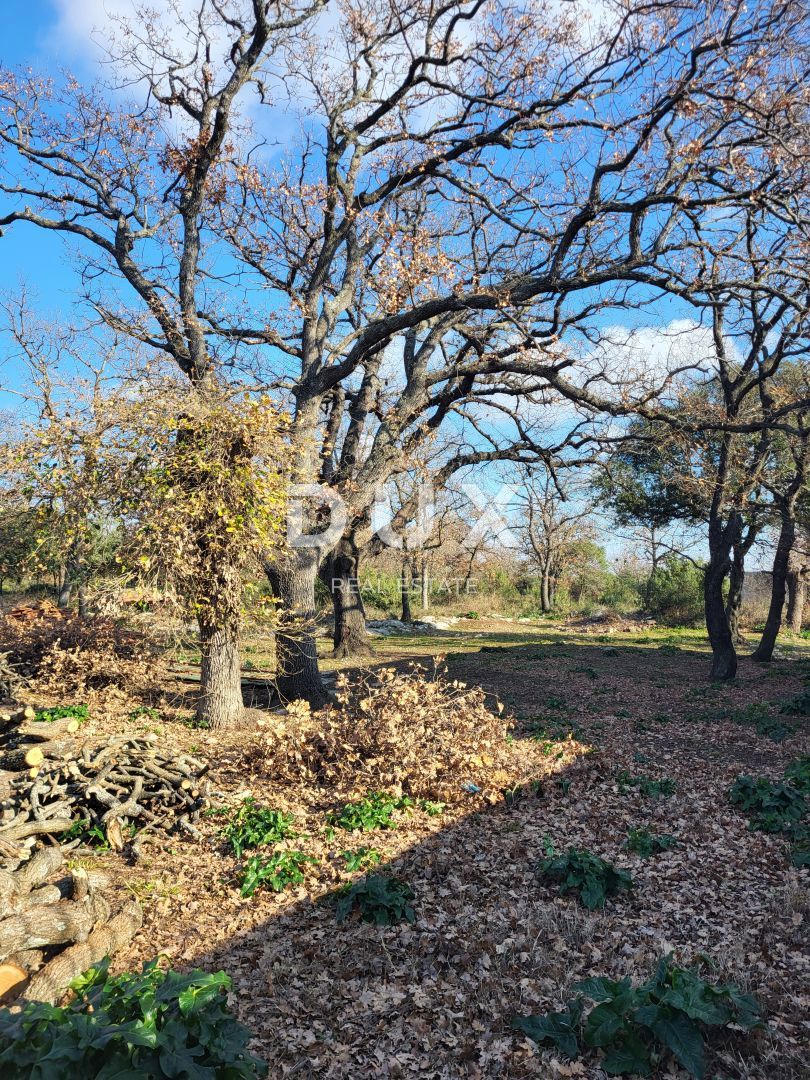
<point>390,894</point>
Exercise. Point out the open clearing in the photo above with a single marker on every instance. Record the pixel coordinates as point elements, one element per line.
<point>437,998</point>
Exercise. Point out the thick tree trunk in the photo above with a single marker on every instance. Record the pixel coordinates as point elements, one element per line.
<point>65,592</point>
<point>293,582</point>
<point>736,580</point>
<point>220,702</point>
<point>405,594</point>
<point>340,575</point>
<point>781,561</point>
<point>721,539</point>
<point>797,593</point>
<point>545,594</point>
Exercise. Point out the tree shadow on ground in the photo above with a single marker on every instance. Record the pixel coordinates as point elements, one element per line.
<point>436,999</point>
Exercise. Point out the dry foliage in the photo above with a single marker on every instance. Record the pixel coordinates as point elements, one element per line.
<point>403,732</point>
<point>73,655</point>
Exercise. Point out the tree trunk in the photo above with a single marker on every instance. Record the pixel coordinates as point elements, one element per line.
<point>736,581</point>
<point>545,595</point>
<point>340,575</point>
<point>425,583</point>
<point>405,593</point>
<point>293,582</point>
<point>797,592</point>
<point>721,539</point>
<point>781,561</point>
<point>648,589</point>
<point>65,591</point>
<point>220,702</point>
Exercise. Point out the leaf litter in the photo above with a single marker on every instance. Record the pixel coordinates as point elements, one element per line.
<point>491,942</point>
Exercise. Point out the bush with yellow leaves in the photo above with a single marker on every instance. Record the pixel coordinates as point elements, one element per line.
<point>410,733</point>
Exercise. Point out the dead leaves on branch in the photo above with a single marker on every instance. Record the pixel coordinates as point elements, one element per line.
<point>67,656</point>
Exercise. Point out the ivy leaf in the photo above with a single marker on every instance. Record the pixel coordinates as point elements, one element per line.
<point>679,1034</point>
<point>559,1028</point>
<point>631,1058</point>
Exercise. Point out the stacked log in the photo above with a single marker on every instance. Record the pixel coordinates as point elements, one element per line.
<point>120,789</point>
<point>54,924</point>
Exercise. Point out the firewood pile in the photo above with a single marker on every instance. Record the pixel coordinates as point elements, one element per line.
<point>121,789</point>
<point>54,924</point>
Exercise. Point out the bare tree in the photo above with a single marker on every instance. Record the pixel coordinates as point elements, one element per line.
<point>476,182</point>
<point>135,183</point>
<point>555,526</point>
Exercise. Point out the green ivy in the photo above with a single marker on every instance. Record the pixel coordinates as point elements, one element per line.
<point>253,826</point>
<point>375,811</point>
<point>645,843</point>
<point>275,871</point>
<point>379,899</point>
<point>779,807</point>
<point>362,859</point>
<point>152,1024</point>
<point>581,872</point>
<point>651,788</point>
<point>634,1026</point>
<point>63,712</point>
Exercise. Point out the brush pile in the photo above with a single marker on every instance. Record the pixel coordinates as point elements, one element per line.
<point>425,736</point>
<point>113,791</point>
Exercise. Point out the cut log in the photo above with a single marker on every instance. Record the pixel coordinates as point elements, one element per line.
<point>15,888</point>
<point>36,828</point>
<point>11,980</point>
<point>29,960</point>
<point>39,869</point>
<point>26,758</point>
<point>50,983</point>
<point>46,729</point>
<point>9,717</point>
<point>51,924</point>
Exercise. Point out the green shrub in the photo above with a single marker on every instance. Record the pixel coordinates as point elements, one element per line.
<point>153,1024</point>
<point>375,811</point>
<point>676,592</point>
<point>759,717</point>
<point>253,826</point>
<point>379,899</point>
<point>653,789</point>
<point>581,872</point>
<point>634,1026</point>
<point>645,843</point>
<point>798,706</point>
<point>797,774</point>
<point>362,859</point>
<point>63,712</point>
<point>276,871</point>
<point>772,806</point>
<point>779,807</point>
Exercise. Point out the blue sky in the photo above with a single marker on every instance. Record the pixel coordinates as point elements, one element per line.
<point>34,35</point>
<point>49,35</point>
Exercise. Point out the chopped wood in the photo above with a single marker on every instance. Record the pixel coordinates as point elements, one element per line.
<point>49,984</point>
<point>16,760</point>
<point>108,788</point>
<point>11,978</point>
<point>47,729</point>
<point>51,924</point>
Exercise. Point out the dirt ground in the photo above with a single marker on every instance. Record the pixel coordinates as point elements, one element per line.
<point>436,999</point>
